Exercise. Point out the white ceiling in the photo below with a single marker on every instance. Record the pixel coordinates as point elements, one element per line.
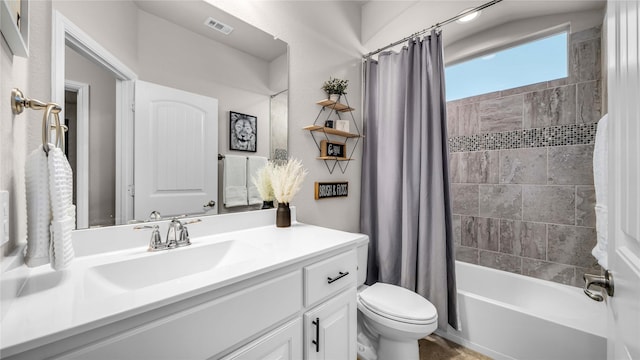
<point>191,14</point>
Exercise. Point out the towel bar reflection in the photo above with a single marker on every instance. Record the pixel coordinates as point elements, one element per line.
<point>19,102</point>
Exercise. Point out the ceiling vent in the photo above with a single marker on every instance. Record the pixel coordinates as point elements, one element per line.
<point>217,25</point>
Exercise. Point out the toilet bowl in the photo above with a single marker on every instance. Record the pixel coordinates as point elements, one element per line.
<point>391,319</point>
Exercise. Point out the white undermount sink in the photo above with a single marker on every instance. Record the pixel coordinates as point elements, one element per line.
<point>166,265</point>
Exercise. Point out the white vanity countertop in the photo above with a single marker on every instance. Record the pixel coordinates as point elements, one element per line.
<point>76,300</point>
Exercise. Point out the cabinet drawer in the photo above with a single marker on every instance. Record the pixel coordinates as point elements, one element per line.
<point>329,276</point>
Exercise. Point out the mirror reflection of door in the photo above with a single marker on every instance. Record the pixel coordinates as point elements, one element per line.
<point>95,203</point>
<point>175,151</point>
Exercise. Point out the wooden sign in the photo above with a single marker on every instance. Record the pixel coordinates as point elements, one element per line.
<point>326,190</point>
<point>332,148</point>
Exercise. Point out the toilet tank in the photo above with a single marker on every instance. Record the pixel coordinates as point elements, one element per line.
<point>363,252</point>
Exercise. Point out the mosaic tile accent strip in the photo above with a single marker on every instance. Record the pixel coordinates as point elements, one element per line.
<point>574,134</point>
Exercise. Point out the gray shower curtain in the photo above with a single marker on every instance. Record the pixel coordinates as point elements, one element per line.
<point>405,204</point>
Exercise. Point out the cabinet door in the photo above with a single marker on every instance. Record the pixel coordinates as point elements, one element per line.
<point>284,343</point>
<point>330,329</point>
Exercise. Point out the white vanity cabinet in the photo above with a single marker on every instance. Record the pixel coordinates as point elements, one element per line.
<point>237,293</point>
<point>330,326</point>
<point>303,309</point>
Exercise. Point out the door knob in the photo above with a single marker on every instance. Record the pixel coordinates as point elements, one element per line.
<point>210,204</point>
<point>605,282</point>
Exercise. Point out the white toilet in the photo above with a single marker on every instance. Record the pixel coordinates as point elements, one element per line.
<point>391,319</point>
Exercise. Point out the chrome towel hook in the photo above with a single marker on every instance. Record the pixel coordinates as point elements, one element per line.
<point>19,102</point>
<point>46,127</point>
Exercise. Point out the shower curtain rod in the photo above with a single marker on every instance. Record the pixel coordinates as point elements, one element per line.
<point>437,25</point>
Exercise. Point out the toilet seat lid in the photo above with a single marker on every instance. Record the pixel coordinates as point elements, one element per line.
<point>398,303</point>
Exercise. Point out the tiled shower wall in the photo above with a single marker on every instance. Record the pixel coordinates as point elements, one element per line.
<point>521,171</point>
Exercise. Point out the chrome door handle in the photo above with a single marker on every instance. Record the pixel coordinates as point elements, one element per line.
<point>605,282</point>
<point>210,204</point>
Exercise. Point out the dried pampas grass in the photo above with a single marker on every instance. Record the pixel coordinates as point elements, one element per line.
<point>263,182</point>
<point>286,180</point>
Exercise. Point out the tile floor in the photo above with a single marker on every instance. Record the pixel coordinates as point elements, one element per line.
<point>434,347</point>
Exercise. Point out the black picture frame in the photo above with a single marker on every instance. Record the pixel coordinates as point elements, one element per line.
<point>325,190</point>
<point>243,132</point>
<point>333,149</point>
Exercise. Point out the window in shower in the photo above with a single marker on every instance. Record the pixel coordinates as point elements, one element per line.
<point>529,63</point>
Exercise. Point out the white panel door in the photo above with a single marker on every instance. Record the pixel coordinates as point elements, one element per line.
<point>330,329</point>
<point>284,343</point>
<point>624,179</point>
<point>176,149</point>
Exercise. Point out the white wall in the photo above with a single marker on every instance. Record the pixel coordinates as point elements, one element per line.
<point>323,38</point>
<point>20,134</point>
<point>113,24</point>
<point>278,74</point>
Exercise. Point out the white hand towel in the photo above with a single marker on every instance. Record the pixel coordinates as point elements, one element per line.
<point>38,208</point>
<point>235,196</point>
<point>61,190</point>
<point>235,181</point>
<point>254,164</point>
<point>600,173</point>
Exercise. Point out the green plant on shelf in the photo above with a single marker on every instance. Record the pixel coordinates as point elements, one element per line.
<point>335,86</point>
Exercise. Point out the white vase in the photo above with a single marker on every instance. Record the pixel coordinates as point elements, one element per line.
<point>334,97</point>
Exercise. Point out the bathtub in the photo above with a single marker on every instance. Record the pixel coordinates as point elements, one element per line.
<point>510,316</point>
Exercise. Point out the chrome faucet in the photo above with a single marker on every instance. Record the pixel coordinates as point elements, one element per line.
<point>177,235</point>
<point>174,234</point>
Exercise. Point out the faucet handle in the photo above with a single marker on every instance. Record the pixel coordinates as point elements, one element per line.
<point>156,239</point>
<point>184,237</point>
<point>155,243</point>
<point>154,216</point>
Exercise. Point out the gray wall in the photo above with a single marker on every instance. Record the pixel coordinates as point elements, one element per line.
<point>521,171</point>
<point>102,135</point>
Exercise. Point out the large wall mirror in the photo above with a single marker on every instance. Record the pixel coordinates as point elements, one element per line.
<point>102,48</point>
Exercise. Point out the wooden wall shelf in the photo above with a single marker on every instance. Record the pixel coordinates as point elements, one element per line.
<point>323,135</point>
<point>331,131</point>
<point>334,158</point>
<point>335,105</point>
